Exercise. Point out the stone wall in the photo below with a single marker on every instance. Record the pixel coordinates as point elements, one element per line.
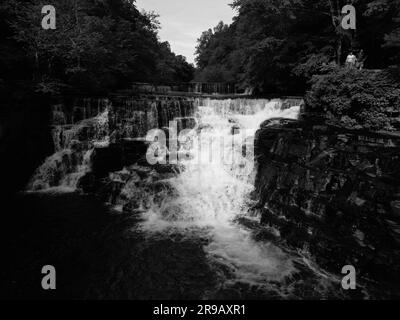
<point>333,193</point>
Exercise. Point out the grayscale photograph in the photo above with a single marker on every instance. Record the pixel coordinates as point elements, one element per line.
<point>209,151</point>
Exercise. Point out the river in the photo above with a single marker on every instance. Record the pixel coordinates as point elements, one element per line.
<point>199,241</point>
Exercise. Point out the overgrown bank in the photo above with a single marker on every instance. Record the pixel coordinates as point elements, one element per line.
<point>328,184</point>
<point>357,99</point>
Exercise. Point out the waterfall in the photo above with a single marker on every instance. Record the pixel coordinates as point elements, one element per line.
<point>94,123</point>
<point>74,146</point>
<point>135,116</point>
<point>213,191</point>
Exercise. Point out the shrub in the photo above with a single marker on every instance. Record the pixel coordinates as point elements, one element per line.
<point>361,98</point>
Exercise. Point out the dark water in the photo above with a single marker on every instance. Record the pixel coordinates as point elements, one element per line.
<point>96,252</point>
<point>101,254</point>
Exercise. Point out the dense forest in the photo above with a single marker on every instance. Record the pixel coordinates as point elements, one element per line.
<point>277,46</point>
<point>97,46</point>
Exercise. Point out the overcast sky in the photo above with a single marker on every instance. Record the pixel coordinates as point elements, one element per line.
<point>183,21</point>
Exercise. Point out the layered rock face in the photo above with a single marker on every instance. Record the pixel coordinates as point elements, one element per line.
<point>97,136</point>
<point>334,194</point>
<point>134,116</point>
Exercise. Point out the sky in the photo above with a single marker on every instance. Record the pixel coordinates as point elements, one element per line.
<point>183,21</point>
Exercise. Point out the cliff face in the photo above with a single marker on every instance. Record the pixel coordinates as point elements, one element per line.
<point>333,193</point>
<point>103,135</point>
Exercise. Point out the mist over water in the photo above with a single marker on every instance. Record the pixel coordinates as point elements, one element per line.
<point>213,192</point>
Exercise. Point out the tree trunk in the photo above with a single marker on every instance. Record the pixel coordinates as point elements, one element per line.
<point>36,71</point>
<point>335,16</point>
<point>339,50</point>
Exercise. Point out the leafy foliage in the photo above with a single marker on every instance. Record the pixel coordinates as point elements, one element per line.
<point>356,98</point>
<point>276,46</point>
<point>97,46</point>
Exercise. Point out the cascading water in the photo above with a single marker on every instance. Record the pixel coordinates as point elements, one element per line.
<point>213,191</point>
<point>77,133</point>
<point>74,146</point>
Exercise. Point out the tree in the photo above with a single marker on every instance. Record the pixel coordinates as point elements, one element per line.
<point>392,39</point>
<point>97,46</point>
<point>277,46</point>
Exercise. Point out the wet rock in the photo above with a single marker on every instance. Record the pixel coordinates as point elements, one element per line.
<point>142,171</point>
<point>130,188</point>
<point>134,149</point>
<point>169,168</point>
<point>396,207</point>
<point>172,213</point>
<point>332,191</point>
<point>133,207</point>
<point>276,122</point>
<point>106,160</point>
<point>120,176</point>
<point>88,183</point>
<point>162,191</point>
